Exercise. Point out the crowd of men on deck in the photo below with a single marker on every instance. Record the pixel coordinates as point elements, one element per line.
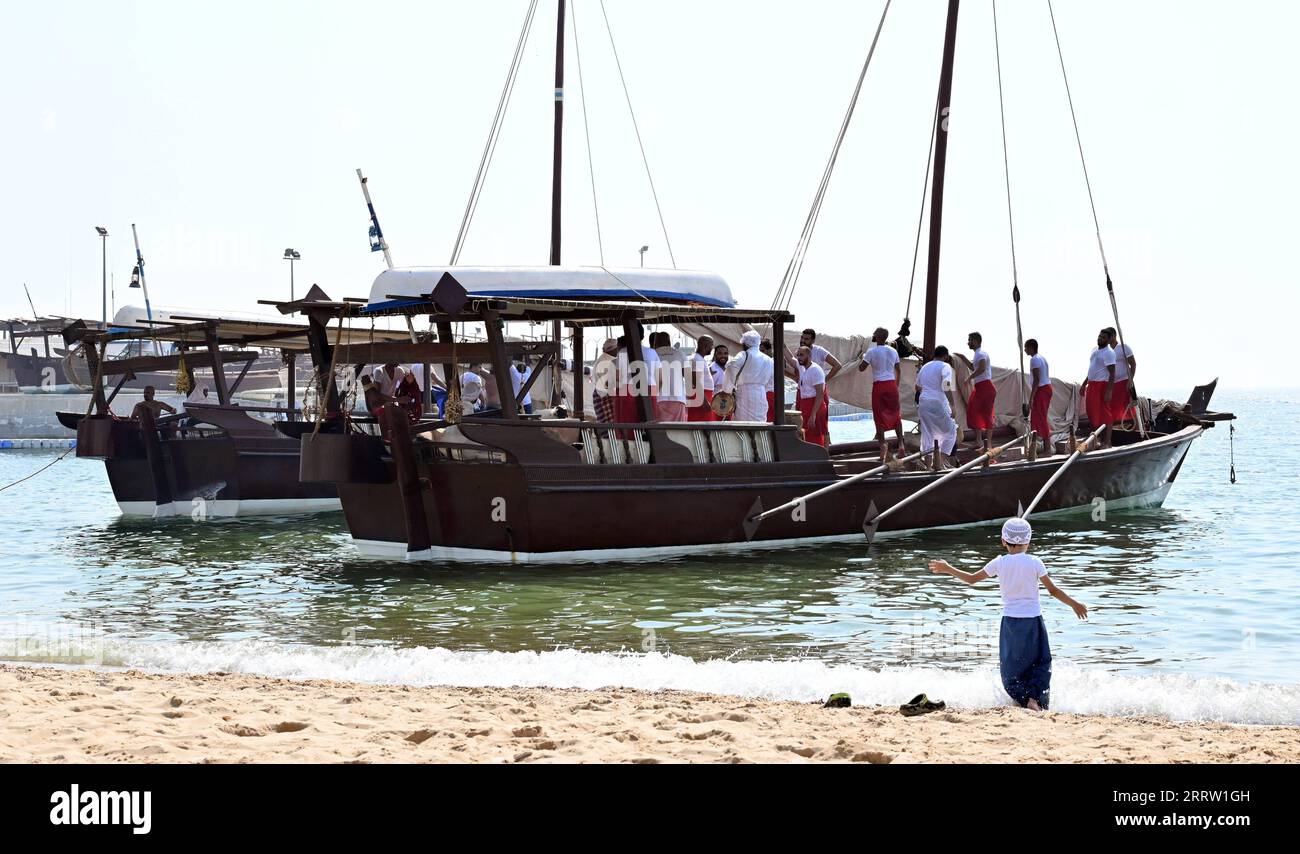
<point>713,385</point>
<point>686,389</point>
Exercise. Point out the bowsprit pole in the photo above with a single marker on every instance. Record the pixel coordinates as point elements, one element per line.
<point>377,242</point>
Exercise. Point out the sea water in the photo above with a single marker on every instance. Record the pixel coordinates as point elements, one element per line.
<point>1193,605</point>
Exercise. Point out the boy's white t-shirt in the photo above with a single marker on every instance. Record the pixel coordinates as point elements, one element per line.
<point>1017,576</point>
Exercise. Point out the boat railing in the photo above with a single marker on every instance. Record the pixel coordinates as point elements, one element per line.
<point>570,441</point>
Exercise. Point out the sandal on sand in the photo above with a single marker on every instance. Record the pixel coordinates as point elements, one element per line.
<point>921,705</point>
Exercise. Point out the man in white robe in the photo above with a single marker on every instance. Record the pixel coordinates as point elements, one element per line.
<point>747,377</point>
<point>934,385</point>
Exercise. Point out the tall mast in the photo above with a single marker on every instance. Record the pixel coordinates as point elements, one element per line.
<point>559,136</point>
<point>936,198</point>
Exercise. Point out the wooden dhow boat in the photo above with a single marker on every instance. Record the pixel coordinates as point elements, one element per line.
<point>217,459</point>
<point>559,487</point>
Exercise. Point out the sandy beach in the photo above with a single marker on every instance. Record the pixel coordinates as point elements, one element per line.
<point>85,715</point>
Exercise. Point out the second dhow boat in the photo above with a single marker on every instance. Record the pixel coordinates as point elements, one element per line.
<point>218,459</point>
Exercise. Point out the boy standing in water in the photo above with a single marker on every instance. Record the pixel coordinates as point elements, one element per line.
<point>1026,657</point>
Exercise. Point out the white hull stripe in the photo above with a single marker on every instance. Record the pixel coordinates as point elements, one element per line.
<point>224,508</point>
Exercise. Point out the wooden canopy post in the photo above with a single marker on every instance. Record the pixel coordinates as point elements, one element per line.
<point>501,365</point>
<point>557,367</point>
<point>778,371</point>
<point>218,369</point>
<point>636,356</point>
<point>291,383</point>
<point>93,361</point>
<point>579,390</point>
<point>450,370</point>
<point>322,357</point>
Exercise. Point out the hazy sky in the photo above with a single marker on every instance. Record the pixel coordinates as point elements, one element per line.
<point>230,130</point>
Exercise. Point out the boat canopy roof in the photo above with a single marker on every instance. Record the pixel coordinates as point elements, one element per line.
<point>176,326</point>
<point>398,286</point>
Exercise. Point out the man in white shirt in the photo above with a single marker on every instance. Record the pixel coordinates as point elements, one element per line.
<point>388,378</point>
<point>886,374</point>
<point>934,389</point>
<point>670,405</point>
<point>812,398</point>
<point>471,389</point>
<point>699,404</point>
<point>981,393</point>
<point>1099,388</point>
<point>519,375</point>
<point>637,378</point>
<point>1040,380</point>
<point>820,355</point>
<point>1125,367</point>
<point>746,377</point>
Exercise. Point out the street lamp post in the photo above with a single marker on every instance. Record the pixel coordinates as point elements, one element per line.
<point>103,296</point>
<point>291,255</point>
<point>643,250</point>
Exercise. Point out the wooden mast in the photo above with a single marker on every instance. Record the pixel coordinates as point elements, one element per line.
<point>936,197</point>
<point>556,190</point>
<point>558,160</point>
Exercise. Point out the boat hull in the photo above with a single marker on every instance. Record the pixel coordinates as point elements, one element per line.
<point>202,477</point>
<point>563,514</point>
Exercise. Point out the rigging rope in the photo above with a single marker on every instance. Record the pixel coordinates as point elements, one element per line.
<point>494,134</point>
<point>920,219</point>
<point>645,160</point>
<point>1011,223</point>
<point>586,130</point>
<point>1105,265</point>
<point>785,292</point>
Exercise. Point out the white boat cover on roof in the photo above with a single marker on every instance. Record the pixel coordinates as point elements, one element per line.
<point>601,283</point>
<point>135,316</point>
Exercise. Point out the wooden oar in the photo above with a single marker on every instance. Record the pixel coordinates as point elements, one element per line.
<point>873,524</point>
<point>1051,481</point>
<point>826,490</point>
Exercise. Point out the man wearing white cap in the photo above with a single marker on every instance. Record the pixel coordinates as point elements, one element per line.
<point>747,377</point>
<point>1023,650</point>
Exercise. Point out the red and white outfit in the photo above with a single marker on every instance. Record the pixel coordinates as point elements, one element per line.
<point>1121,400</point>
<point>699,405</point>
<point>886,410</point>
<point>771,393</point>
<point>1042,400</point>
<point>635,380</point>
<point>979,408</point>
<point>670,405</point>
<point>815,421</point>
<point>1099,411</point>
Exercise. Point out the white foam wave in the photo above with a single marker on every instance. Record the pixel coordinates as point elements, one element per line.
<point>1074,689</point>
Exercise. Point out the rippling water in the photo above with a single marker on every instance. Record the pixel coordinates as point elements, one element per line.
<point>1202,589</point>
